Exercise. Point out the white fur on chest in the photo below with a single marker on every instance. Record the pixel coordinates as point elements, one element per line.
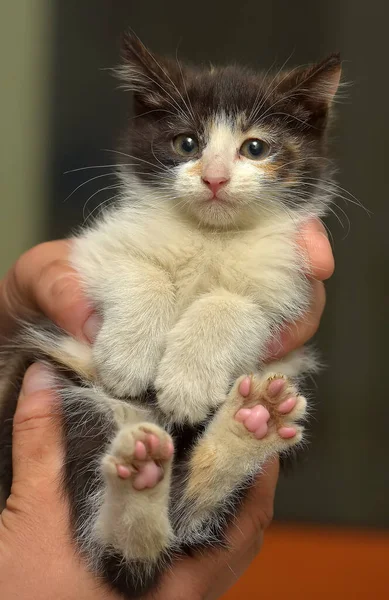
<point>251,262</point>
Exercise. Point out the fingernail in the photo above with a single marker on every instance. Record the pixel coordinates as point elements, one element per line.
<point>38,377</point>
<point>92,326</point>
<point>275,347</point>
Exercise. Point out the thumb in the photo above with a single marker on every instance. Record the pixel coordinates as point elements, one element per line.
<point>36,447</point>
<point>43,281</point>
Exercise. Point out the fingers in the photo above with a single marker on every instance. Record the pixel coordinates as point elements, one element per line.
<point>313,240</point>
<point>299,333</point>
<point>209,575</point>
<point>36,444</point>
<point>246,534</point>
<point>257,511</point>
<point>42,281</point>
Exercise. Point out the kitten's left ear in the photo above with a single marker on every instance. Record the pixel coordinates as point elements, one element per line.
<point>315,87</point>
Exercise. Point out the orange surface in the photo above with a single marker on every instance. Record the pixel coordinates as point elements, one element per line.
<point>317,563</point>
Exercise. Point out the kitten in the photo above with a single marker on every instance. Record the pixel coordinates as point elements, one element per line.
<point>194,271</point>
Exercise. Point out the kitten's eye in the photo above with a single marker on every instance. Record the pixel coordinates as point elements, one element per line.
<point>254,149</point>
<point>186,145</point>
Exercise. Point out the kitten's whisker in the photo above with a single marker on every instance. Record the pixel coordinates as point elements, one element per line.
<point>108,187</point>
<point>153,153</point>
<point>100,206</point>
<point>334,192</point>
<point>136,158</point>
<point>303,161</point>
<point>99,167</point>
<point>86,182</point>
<point>335,187</point>
<point>148,112</point>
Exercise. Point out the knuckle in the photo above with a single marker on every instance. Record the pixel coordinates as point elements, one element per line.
<point>260,520</point>
<point>264,517</point>
<point>56,283</point>
<point>32,409</point>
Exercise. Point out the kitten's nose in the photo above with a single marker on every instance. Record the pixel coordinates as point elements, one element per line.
<point>215,182</point>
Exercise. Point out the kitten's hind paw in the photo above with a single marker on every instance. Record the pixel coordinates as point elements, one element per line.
<point>139,454</point>
<point>134,514</point>
<point>270,409</point>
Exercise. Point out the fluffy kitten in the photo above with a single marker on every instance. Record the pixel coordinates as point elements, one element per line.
<point>194,271</point>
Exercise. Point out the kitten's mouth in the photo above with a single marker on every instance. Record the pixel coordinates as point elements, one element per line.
<point>216,199</point>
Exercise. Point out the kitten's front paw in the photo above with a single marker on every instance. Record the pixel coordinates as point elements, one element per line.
<point>270,409</point>
<point>185,396</point>
<point>138,455</point>
<point>125,369</point>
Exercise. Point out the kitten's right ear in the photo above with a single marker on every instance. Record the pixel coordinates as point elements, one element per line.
<point>151,78</point>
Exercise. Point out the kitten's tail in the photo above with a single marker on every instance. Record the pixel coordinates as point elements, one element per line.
<point>48,342</point>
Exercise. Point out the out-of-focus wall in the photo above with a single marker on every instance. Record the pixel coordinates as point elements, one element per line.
<point>25,58</point>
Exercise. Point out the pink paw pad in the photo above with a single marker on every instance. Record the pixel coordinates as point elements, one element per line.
<point>244,387</point>
<point>275,387</point>
<point>123,471</point>
<point>287,432</point>
<point>254,419</point>
<point>148,475</point>
<point>145,470</point>
<point>287,406</point>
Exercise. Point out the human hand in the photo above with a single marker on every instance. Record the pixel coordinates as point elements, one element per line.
<point>34,526</point>
<point>37,557</point>
<point>314,243</point>
<point>42,282</point>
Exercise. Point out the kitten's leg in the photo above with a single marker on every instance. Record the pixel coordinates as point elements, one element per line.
<point>133,518</point>
<point>219,336</point>
<point>258,420</point>
<point>138,310</point>
<point>110,450</point>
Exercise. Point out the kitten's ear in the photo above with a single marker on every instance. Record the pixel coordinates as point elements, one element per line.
<point>151,78</point>
<point>314,87</point>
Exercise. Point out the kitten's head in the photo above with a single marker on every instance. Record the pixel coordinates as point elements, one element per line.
<point>227,145</point>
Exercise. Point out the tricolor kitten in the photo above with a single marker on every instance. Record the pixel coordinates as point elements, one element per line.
<point>194,272</point>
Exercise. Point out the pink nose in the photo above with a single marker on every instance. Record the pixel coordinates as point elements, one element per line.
<point>215,183</point>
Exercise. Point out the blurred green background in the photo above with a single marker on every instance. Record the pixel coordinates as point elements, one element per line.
<point>60,110</point>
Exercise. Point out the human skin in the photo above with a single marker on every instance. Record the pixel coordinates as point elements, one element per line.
<point>37,556</point>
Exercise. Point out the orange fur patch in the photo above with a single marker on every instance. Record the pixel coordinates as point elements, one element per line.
<point>201,468</point>
<point>195,169</point>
